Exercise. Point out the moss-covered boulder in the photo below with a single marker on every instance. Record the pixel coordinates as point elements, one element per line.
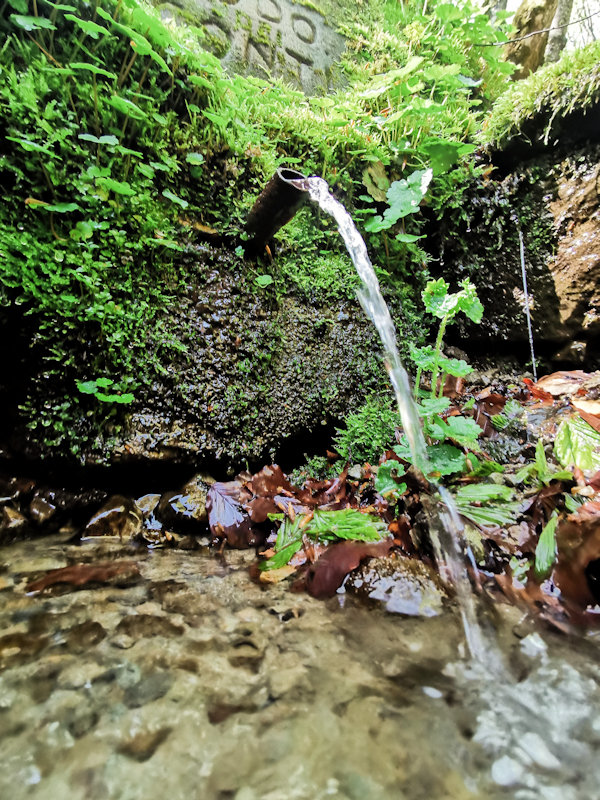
<point>543,141</point>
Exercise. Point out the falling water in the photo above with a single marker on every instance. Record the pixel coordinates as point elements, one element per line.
<point>527,311</point>
<point>446,527</point>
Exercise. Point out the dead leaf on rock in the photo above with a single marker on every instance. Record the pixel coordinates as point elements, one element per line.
<point>539,394</point>
<point>589,406</point>
<point>326,575</point>
<point>276,575</point>
<point>561,384</point>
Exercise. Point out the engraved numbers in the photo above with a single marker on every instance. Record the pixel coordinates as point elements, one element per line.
<point>270,37</point>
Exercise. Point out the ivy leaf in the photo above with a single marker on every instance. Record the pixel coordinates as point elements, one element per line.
<point>88,387</point>
<point>32,23</point>
<point>263,281</point>
<point>463,430</point>
<point>194,158</point>
<point>468,302</point>
<point>423,357</point>
<point>577,443</point>
<point>174,199</point>
<point>377,224</point>
<point>445,459</point>
<point>432,405</point>
<point>455,366</point>
<point>434,295</point>
<point>405,195</point>
<point>545,552</point>
<point>386,483</point>
<point>442,153</point>
<point>90,28</point>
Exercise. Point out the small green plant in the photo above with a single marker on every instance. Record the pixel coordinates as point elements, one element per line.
<point>445,307</point>
<point>369,431</point>
<point>100,386</point>
<point>541,471</point>
<point>444,434</point>
<point>325,527</point>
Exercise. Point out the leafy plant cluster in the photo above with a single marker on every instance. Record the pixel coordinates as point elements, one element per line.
<point>554,91</point>
<point>322,527</point>
<point>372,429</point>
<point>118,130</point>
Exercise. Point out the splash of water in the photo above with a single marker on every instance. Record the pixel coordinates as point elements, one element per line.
<point>445,526</point>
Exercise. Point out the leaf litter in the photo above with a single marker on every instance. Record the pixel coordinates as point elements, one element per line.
<point>535,515</point>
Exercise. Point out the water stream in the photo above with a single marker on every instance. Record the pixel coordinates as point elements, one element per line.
<point>445,526</point>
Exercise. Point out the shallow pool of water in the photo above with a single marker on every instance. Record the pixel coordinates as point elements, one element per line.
<point>194,682</point>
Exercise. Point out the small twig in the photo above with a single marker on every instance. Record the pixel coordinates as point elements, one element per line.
<point>97,120</point>
<point>45,52</point>
<point>54,233</point>
<point>535,33</point>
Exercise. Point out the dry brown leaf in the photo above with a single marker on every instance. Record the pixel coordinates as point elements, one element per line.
<point>562,384</point>
<point>589,406</point>
<point>276,575</point>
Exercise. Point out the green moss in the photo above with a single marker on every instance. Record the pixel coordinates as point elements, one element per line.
<point>369,431</point>
<point>553,91</point>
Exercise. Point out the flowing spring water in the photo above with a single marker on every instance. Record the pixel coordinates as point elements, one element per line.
<point>527,311</point>
<point>447,533</point>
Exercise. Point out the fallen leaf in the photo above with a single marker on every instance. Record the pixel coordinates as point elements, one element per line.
<point>589,406</point>
<point>591,420</point>
<point>561,384</point>
<point>276,575</point>
<point>539,394</point>
<point>326,575</point>
<point>80,574</point>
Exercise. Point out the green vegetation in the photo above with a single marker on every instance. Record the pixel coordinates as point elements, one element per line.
<point>322,526</point>
<point>369,431</point>
<point>372,429</point>
<point>552,92</point>
<point>125,139</point>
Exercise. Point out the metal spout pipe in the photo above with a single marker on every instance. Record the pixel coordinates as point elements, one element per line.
<point>276,205</point>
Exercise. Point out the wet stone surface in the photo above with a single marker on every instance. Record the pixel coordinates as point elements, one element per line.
<point>262,37</point>
<point>196,679</point>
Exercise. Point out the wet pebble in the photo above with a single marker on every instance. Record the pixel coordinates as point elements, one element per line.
<point>148,689</point>
<point>405,586</point>
<point>118,517</point>
<point>144,744</point>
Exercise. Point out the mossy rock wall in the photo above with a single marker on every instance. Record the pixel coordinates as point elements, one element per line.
<point>552,198</point>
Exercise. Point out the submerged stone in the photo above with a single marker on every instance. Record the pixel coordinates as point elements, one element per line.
<point>186,510</point>
<point>404,585</point>
<point>119,516</point>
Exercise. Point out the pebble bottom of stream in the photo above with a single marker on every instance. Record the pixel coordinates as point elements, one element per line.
<point>195,682</point>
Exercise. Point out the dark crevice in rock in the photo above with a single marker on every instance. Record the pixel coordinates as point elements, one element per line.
<point>567,132</point>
